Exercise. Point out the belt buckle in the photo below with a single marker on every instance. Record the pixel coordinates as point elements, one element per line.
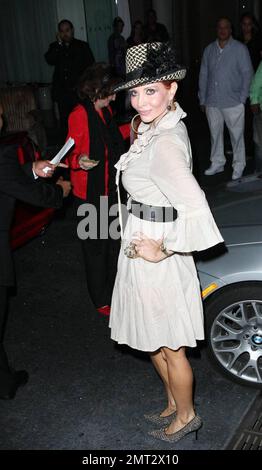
<point>152,216</point>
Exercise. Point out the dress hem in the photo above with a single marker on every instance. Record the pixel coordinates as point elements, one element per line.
<point>161,346</point>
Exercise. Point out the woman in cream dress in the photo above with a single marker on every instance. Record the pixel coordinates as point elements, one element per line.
<point>156,305</point>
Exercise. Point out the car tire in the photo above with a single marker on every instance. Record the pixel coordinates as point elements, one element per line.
<point>234,331</point>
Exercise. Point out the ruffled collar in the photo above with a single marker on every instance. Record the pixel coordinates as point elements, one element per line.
<point>168,121</point>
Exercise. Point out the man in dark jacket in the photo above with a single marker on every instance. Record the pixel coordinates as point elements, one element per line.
<point>70,57</point>
<point>19,182</point>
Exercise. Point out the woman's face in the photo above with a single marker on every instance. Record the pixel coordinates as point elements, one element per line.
<point>119,27</point>
<point>152,100</point>
<point>104,102</point>
<point>247,25</point>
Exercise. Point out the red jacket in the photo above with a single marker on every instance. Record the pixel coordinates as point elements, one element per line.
<point>78,129</point>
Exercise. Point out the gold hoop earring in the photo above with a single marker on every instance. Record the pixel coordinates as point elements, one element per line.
<point>132,124</point>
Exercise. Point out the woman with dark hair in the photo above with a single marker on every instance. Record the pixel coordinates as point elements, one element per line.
<point>154,31</point>
<point>117,47</point>
<point>137,34</point>
<point>116,53</point>
<point>98,145</point>
<point>156,305</point>
<point>251,36</point>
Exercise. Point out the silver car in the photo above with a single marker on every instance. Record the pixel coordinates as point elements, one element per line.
<point>231,281</point>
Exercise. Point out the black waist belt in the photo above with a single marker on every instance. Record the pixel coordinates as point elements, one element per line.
<point>153,213</point>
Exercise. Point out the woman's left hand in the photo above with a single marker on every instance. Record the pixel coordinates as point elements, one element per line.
<point>147,248</point>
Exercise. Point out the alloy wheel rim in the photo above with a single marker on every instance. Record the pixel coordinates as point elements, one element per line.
<point>236,340</point>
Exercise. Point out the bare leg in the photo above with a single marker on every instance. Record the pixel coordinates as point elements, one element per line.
<point>159,361</point>
<point>180,379</point>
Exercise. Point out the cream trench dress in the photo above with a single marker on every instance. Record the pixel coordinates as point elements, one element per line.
<point>159,304</point>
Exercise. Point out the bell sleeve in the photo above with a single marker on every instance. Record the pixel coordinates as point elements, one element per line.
<point>194,228</point>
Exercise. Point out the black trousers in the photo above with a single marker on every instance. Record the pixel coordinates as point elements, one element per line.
<point>100,259</point>
<point>248,134</point>
<point>10,379</point>
<point>3,312</point>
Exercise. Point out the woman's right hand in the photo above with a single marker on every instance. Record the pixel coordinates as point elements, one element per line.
<point>85,163</point>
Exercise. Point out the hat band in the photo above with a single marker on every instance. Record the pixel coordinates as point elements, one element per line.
<point>135,74</point>
<point>148,71</point>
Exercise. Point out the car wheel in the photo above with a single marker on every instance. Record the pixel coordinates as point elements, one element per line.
<point>234,332</point>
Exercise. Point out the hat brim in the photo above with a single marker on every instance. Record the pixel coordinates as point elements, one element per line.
<point>177,75</point>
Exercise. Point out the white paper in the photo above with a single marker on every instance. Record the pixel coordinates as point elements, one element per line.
<point>58,157</point>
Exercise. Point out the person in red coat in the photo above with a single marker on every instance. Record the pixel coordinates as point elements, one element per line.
<point>98,146</point>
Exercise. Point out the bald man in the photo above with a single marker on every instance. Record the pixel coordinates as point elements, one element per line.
<point>224,81</point>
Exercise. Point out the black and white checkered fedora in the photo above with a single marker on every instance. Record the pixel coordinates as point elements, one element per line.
<point>149,63</point>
